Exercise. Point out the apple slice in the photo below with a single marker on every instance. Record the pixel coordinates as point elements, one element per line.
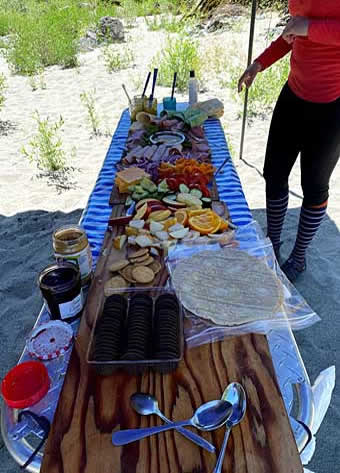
<point>141,212</point>
<point>144,201</point>
<point>159,215</point>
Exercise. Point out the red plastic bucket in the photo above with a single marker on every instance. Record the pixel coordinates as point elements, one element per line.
<point>25,384</point>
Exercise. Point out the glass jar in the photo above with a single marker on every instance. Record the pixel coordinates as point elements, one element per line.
<point>150,107</point>
<point>61,289</point>
<point>136,106</point>
<point>70,244</point>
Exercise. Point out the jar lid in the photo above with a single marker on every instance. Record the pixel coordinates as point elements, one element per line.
<point>25,384</point>
<point>50,340</point>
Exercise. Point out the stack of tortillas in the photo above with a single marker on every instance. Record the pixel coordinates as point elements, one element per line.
<point>228,286</point>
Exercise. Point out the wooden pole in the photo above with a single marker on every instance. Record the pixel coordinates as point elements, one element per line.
<point>250,54</point>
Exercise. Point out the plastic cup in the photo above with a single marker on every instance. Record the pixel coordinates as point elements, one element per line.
<point>25,384</point>
<point>169,103</point>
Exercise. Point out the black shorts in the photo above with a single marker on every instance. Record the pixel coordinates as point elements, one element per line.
<point>312,129</point>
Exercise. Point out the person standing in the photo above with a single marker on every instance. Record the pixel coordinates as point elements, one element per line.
<point>305,121</point>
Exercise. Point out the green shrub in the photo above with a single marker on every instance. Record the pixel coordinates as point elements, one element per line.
<point>3,87</point>
<point>89,102</point>
<point>181,55</point>
<point>47,33</point>
<point>46,146</point>
<point>116,60</point>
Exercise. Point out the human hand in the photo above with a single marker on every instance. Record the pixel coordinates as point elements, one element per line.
<point>296,26</point>
<point>249,75</point>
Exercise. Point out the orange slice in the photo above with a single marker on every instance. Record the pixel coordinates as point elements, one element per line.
<point>182,217</point>
<point>208,222</point>
<point>192,213</point>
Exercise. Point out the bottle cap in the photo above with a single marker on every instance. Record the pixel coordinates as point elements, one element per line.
<point>192,73</point>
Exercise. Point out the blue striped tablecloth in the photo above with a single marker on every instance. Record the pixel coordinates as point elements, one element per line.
<point>97,212</point>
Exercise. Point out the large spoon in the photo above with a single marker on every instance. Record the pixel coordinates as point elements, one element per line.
<point>235,394</point>
<point>209,416</point>
<point>145,404</point>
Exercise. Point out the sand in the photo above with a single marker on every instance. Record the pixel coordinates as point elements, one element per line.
<point>30,206</point>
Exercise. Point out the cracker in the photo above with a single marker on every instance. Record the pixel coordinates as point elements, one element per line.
<point>117,282</point>
<point>155,266</point>
<point>139,253</point>
<point>140,259</point>
<point>146,262</point>
<point>127,273</point>
<point>143,274</point>
<point>118,265</point>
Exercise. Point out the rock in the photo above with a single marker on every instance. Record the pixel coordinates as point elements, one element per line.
<point>89,42</point>
<point>111,28</point>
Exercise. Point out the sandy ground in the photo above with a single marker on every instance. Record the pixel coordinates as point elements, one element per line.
<point>30,207</point>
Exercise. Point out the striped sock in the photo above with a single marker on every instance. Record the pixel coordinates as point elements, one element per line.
<point>310,220</point>
<point>276,211</point>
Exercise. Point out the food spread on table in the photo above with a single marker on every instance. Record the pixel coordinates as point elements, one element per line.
<point>166,179</point>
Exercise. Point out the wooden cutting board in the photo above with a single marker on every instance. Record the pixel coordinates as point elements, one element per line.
<point>91,407</point>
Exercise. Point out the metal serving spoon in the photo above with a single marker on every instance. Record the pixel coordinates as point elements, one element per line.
<point>209,416</point>
<point>235,394</point>
<point>145,404</point>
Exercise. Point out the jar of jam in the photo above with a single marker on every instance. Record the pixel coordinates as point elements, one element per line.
<point>61,289</point>
<point>71,245</point>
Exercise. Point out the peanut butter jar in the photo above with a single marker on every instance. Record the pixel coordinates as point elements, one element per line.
<point>71,245</point>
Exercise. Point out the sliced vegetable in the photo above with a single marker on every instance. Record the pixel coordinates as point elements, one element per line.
<point>189,200</point>
<point>173,203</point>
<point>206,202</point>
<point>196,192</point>
<point>183,188</point>
<point>163,186</point>
<point>148,185</point>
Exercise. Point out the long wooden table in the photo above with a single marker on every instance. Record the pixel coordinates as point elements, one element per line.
<point>91,407</point>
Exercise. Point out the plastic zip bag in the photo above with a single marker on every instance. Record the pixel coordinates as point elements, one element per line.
<point>293,310</point>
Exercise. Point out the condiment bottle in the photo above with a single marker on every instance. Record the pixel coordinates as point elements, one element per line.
<point>70,244</point>
<point>193,88</point>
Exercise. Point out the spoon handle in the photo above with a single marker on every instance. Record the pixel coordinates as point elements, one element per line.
<point>123,437</point>
<point>190,435</point>
<point>219,463</point>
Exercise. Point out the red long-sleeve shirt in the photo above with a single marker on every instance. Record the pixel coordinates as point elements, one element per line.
<point>315,60</point>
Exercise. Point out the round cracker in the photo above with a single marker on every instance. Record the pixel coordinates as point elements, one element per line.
<point>117,282</point>
<point>146,262</point>
<point>141,259</point>
<point>118,265</point>
<point>139,253</point>
<point>143,274</point>
<point>155,266</point>
<point>127,273</point>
